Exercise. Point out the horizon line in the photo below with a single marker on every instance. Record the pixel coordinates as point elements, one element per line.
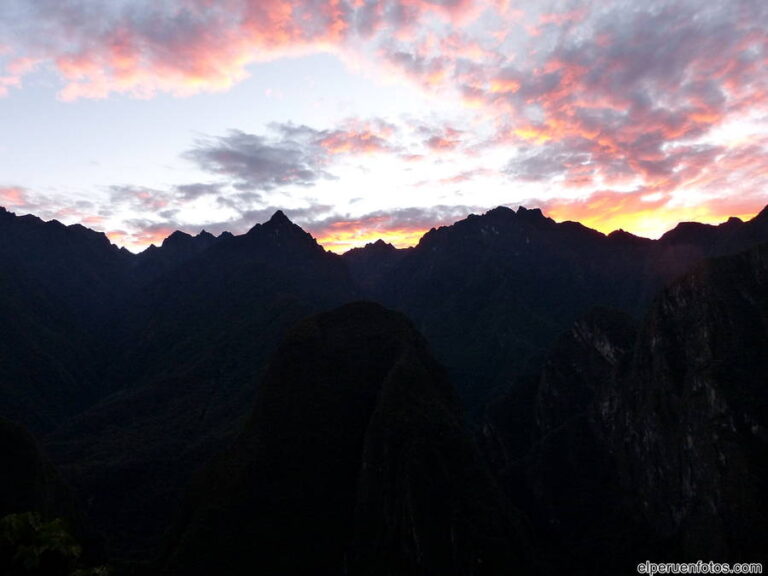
<point>415,234</point>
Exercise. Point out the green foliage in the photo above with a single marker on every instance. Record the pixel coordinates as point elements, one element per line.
<point>30,545</point>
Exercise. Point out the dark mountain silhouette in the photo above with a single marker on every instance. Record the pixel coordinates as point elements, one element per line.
<point>175,250</point>
<point>694,409</point>
<point>492,292</point>
<point>81,267</point>
<point>648,444</point>
<point>372,263</point>
<point>193,347</point>
<point>59,288</point>
<point>355,455</point>
<point>136,370</point>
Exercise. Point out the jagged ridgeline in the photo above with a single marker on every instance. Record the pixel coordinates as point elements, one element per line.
<point>138,373</point>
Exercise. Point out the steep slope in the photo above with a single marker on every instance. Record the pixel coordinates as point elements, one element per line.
<point>194,348</point>
<point>693,433</point>
<point>550,443</point>
<point>355,460</point>
<point>652,446</point>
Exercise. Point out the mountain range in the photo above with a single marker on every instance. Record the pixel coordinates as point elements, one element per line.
<point>524,393</point>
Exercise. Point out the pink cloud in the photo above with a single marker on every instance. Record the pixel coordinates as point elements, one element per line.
<point>359,137</point>
<point>13,197</point>
<point>188,46</point>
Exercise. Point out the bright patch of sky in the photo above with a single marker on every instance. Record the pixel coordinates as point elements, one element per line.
<point>364,119</point>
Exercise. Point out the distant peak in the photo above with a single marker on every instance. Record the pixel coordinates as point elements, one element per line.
<point>280,231</point>
<point>522,213</point>
<point>500,211</point>
<point>532,213</point>
<point>279,217</point>
<point>278,221</point>
<point>624,236</point>
<point>176,238</point>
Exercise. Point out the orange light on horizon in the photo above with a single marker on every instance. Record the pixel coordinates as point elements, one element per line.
<point>650,222</point>
<point>648,215</point>
<point>342,240</point>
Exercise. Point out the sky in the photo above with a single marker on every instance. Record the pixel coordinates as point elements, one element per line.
<point>370,119</point>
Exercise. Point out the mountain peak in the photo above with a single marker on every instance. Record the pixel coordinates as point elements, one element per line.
<point>530,213</point>
<point>278,221</point>
<point>622,235</point>
<point>177,236</point>
<point>280,218</point>
<point>499,211</point>
<point>279,231</point>
<point>687,233</point>
<point>380,246</point>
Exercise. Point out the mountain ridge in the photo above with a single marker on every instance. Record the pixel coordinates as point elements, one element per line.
<point>145,366</point>
<point>501,212</point>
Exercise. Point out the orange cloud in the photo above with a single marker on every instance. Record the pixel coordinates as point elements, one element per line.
<point>502,85</point>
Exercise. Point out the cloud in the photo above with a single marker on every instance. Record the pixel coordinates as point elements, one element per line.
<point>140,198</point>
<point>447,139</point>
<point>70,211</point>
<point>14,197</point>
<point>198,190</point>
<point>359,137</point>
<point>638,109</point>
<point>262,163</point>
<point>290,155</point>
<point>142,47</point>
<point>607,94</point>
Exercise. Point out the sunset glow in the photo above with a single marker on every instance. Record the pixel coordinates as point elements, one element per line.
<point>364,119</point>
